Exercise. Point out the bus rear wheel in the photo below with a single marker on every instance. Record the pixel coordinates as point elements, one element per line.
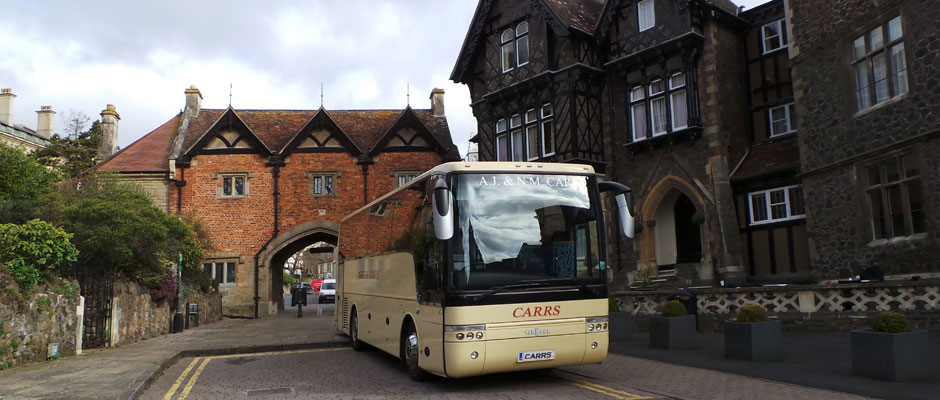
<point>410,353</point>
<point>357,344</point>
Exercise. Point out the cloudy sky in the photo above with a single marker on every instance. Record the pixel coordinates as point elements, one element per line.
<point>140,56</point>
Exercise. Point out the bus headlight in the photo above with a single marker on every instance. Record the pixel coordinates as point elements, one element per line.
<point>474,355</point>
<point>594,345</point>
<point>459,336</point>
<point>596,323</point>
<point>479,335</point>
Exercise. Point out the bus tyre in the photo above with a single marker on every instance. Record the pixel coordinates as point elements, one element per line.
<point>357,344</point>
<point>410,353</point>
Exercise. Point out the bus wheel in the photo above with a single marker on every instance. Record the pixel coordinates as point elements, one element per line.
<point>410,353</point>
<point>357,344</point>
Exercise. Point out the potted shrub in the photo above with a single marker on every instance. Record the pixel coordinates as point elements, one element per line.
<point>889,351</point>
<point>752,337</point>
<point>674,329</point>
<point>621,322</point>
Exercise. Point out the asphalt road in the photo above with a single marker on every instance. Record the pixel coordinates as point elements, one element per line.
<point>344,373</point>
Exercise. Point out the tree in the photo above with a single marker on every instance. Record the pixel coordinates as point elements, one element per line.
<point>119,230</point>
<point>75,153</point>
<point>24,184</point>
<point>75,122</point>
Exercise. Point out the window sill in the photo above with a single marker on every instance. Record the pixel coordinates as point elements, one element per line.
<point>231,197</point>
<point>881,105</point>
<point>897,239</point>
<point>669,139</point>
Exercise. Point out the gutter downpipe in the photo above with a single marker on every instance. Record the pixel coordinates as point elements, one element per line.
<point>276,173</point>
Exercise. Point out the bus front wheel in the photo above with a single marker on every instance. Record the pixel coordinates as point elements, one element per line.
<point>357,344</point>
<point>410,353</point>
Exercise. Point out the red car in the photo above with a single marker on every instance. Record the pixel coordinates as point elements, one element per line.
<point>316,283</point>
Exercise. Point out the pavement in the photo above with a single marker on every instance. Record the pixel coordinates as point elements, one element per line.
<point>125,372</point>
<point>812,359</point>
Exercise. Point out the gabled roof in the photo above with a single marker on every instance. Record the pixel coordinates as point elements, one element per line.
<point>232,120</point>
<point>322,119</point>
<point>561,15</point>
<point>148,154</point>
<point>274,131</point>
<point>407,118</point>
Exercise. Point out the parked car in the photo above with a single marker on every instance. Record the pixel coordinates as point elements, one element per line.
<point>316,283</point>
<point>327,291</point>
<point>308,288</point>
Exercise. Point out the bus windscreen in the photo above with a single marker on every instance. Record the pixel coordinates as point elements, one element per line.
<point>514,229</point>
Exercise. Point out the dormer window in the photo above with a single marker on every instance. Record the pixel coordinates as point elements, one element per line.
<point>514,46</point>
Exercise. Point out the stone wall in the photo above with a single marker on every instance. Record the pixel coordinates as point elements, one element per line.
<point>135,317</point>
<point>814,308</point>
<point>46,325</point>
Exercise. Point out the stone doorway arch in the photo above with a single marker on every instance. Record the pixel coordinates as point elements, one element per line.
<point>659,247</point>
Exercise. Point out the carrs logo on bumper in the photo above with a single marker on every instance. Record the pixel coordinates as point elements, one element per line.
<point>539,355</point>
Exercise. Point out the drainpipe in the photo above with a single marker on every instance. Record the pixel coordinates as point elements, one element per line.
<point>276,173</point>
<point>365,183</point>
<point>179,192</point>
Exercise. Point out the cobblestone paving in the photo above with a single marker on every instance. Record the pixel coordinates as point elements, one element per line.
<point>345,374</point>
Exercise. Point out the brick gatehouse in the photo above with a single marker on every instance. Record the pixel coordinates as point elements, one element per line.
<point>269,183</point>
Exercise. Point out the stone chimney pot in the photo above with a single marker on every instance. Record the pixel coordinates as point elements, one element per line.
<point>44,123</point>
<point>6,106</point>
<point>109,132</point>
<point>437,102</point>
<point>193,101</point>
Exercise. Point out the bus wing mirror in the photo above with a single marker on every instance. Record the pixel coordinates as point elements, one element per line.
<point>624,205</point>
<point>443,211</point>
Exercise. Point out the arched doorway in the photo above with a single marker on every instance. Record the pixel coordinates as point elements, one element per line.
<point>319,234</point>
<point>673,237</point>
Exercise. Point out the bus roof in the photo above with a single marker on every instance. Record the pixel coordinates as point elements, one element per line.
<point>507,167</point>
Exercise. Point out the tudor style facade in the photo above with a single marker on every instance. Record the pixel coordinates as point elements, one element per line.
<point>695,107</point>
<point>269,183</point>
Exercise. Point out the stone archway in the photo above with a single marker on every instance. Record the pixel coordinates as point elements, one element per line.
<point>280,249</point>
<point>658,240</point>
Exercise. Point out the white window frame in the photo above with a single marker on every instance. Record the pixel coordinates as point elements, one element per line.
<point>637,101</point>
<point>645,15</point>
<point>658,96</point>
<point>520,37</point>
<point>531,128</point>
<point>504,45</point>
<point>674,90</point>
<point>781,36</point>
<point>768,206</point>
<point>547,119</point>
<point>233,177</point>
<point>876,43</point>
<point>788,115</point>
<point>227,279</point>
<point>501,134</point>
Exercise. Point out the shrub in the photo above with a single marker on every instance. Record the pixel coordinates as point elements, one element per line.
<point>890,322</point>
<point>752,313</point>
<point>673,308</point>
<point>166,290</point>
<point>29,250</point>
<point>24,184</point>
<point>289,279</point>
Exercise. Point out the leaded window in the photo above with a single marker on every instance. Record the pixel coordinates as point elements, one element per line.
<point>220,271</point>
<point>233,185</point>
<point>895,197</point>
<point>879,64</point>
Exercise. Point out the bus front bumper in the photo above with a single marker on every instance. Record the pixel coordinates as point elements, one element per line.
<point>526,353</point>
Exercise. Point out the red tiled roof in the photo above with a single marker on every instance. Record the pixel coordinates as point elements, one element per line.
<point>148,154</point>
<point>769,158</point>
<point>579,14</point>
<point>274,128</point>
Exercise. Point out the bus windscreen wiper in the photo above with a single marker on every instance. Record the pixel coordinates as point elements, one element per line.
<point>520,285</point>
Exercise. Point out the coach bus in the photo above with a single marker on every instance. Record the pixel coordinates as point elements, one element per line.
<point>478,268</point>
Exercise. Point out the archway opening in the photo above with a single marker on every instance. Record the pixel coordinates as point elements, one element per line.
<point>305,258</point>
<point>677,237</point>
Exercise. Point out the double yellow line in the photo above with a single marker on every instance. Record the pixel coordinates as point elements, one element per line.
<point>205,360</point>
<point>192,379</point>
<point>609,391</point>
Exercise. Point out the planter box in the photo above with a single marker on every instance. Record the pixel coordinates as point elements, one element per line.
<point>889,356</point>
<point>621,325</point>
<point>752,341</point>
<point>672,332</point>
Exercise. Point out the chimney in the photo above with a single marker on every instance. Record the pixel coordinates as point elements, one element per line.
<point>193,101</point>
<point>6,106</point>
<point>437,102</point>
<point>44,125</point>
<point>109,132</point>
